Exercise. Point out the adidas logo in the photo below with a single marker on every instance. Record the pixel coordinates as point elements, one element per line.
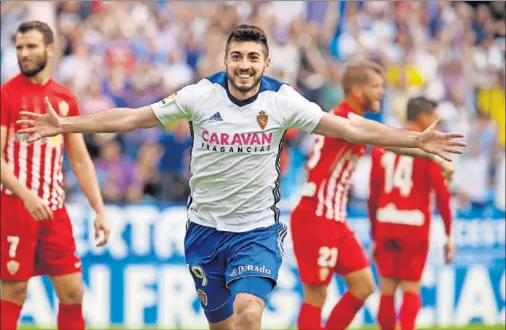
<point>216,117</point>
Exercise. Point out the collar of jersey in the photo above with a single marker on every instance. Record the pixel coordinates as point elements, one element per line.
<point>36,85</point>
<point>266,84</point>
<point>242,103</point>
<point>344,106</point>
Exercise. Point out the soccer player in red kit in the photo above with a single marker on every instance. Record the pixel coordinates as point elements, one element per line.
<point>323,242</point>
<point>399,208</point>
<point>36,234</point>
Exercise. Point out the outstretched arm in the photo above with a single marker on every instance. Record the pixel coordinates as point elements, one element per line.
<point>110,121</point>
<point>107,121</point>
<point>363,131</point>
<point>174,107</point>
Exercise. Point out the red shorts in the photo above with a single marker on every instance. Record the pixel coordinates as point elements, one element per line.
<point>31,248</point>
<point>401,259</point>
<point>323,247</point>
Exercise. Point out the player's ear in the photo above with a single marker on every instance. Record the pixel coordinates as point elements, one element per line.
<point>267,62</point>
<point>356,91</point>
<point>50,50</point>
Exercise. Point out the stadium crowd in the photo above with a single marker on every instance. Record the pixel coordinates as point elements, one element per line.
<point>127,54</point>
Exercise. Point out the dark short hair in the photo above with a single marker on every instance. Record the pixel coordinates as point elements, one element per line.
<point>248,33</point>
<point>419,105</point>
<point>42,27</point>
<point>357,73</point>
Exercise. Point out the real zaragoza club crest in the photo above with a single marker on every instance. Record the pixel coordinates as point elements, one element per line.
<point>262,119</point>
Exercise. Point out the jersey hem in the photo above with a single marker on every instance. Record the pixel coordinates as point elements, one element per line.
<point>233,229</point>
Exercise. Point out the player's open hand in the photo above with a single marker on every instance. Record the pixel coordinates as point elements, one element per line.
<point>38,209</point>
<point>40,125</point>
<point>449,251</point>
<point>102,230</point>
<point>438,143</point>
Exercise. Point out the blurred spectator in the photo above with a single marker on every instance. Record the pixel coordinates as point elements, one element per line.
<point>332,93</point>
<point>120,181</point>
<point>456,114</point>
<point>147,179</point>
<point>173,163</point>
<point>93,100</point>
<point>472,176</point>
<point>492,100</point>
<point>78,69</point>
<point>500,182</point>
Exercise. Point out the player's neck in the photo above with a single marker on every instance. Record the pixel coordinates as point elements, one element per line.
<point>355,105</point>
<point>41,78</point>
<point>243,96</point>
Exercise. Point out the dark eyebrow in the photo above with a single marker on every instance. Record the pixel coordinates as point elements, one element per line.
<point>249,54</point>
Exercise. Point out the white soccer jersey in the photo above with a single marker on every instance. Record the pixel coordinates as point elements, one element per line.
<point>236,147</point>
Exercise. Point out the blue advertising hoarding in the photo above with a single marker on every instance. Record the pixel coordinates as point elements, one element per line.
<point>140,278</point>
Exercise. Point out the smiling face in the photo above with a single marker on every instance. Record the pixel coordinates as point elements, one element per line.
<point>246,62</point>
<point>32,52</point>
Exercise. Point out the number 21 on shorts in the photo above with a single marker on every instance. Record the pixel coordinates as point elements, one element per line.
<point>327,260</point>
<point>328,257</point>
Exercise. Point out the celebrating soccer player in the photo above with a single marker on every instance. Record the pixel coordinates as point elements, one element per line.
<point>238,118</point>
<point>400,212</point>
<point>36,233</point>
<point>323,242</point>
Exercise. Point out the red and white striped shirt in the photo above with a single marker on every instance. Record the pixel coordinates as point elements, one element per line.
<point>38,166</point>
<point>330,168</point>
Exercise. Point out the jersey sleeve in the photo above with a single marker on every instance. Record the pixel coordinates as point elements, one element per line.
<point>73,106</point>
<point>296,111</point>
<point>5,110</point>
<point>376,185</point>
<point>442,195</point>
<point>180,105</point>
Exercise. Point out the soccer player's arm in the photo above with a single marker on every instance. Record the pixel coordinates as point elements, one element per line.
<point>172,108</point>
<point>376,185</point>
<point>8,179</point>
<point>309,117</point>
<point>82,165</point>
<point>443,198</point>
<point>359,130</point>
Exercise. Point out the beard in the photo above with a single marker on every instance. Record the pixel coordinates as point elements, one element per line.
<point>371,106</point>
<point>244,89</point>
<point>40,64</point>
